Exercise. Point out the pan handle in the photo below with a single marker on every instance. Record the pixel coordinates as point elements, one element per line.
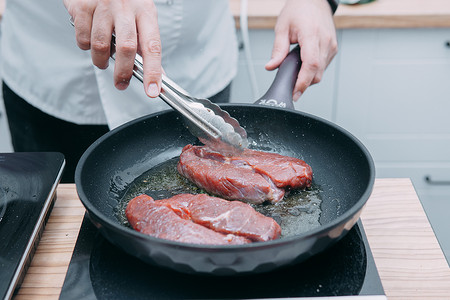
<point>280,92</point>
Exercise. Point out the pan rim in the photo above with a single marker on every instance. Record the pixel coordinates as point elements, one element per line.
<point>318,231</point>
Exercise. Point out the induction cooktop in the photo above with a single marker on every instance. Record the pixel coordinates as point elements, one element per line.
<point>28,182</point>
<point>100,270</point>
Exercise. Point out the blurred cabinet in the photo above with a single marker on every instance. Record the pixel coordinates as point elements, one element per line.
<point>394,94</point>
<point>391,89</point>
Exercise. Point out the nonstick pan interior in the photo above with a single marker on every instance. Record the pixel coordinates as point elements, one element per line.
<point>342,168</point>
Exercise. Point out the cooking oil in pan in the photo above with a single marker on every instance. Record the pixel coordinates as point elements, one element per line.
<point>298,212</point>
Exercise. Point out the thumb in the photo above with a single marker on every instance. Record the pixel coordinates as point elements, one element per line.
<point>279,51</point>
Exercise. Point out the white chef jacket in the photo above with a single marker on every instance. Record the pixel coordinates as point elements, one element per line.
<point>42,63</point>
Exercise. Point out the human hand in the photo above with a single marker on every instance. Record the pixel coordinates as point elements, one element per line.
<point>310,24</point>
<point>135,25</point>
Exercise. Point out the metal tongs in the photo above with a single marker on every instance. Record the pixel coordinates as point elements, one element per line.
<point>212,125</point>
<point>206,120</point>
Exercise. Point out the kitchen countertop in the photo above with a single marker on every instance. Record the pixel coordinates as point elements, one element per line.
<point>377,14</point>
<point>407,254</point>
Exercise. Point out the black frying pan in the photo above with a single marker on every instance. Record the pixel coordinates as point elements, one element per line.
<point>343,174</point>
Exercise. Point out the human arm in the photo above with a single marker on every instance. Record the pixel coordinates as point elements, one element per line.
<point>310,24</point>
<point>135,25</point>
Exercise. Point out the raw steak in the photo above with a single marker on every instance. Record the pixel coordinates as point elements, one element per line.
<point>150,217</point>
<point>200,219</point>
<point>229,217</point>
<point>253,176</point>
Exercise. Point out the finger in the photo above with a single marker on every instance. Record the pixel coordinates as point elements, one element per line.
<point>309,69</point>
<point>328,50</point>
<point>102,28</point>
<point>333,49</point>
<point>151,49</point>
<point>320,68</point>
<point>126,47</point>
<point>82,20</point>
<point>280,48</point>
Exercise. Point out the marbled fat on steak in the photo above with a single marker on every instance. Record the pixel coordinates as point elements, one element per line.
<point>229,217</point>
<point>253,176</point>
<point>200,219</point>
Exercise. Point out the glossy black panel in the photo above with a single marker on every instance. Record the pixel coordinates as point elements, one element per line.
<point>99,270</point>
<point>27,192</point>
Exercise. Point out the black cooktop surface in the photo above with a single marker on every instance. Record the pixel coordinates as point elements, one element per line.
<point>28,184</point>
<point>99,270</point>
